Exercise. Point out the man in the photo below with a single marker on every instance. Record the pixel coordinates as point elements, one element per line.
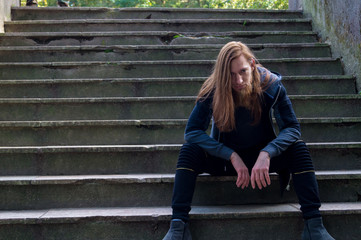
<point>34,3</point>
<point>239,97</point>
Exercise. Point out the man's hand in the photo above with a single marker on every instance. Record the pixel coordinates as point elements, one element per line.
<point>241,169</point>
<point>260,171</point>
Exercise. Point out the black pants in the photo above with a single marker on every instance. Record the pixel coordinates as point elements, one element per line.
<point>193,161</point>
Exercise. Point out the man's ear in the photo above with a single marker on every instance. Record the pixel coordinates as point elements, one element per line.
<point>253,64</point>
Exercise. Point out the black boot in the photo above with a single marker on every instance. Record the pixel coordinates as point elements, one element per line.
<point>31,3</point>
<point>314,230</point>
<point>178,231</point>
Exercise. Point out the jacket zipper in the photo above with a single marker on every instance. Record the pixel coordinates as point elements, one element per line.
<point>270,115</point>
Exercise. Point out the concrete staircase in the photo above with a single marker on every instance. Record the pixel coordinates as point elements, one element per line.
<point>93,108</point>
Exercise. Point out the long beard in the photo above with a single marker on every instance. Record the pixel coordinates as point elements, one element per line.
<point>244,97</point>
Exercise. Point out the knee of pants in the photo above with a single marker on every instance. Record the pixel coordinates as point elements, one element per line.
<point>191,156</point>
<point>299,157</point>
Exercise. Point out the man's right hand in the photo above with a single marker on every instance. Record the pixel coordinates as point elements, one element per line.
<point>241,169</point>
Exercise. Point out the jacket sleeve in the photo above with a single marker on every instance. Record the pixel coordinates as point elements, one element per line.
<point>196,128</point>
<point>288,125</point>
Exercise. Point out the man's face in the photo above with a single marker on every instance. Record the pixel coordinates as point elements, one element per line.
<point>241,71</point>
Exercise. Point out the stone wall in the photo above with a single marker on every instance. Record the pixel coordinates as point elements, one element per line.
<point>5,7</point>
<point>295,4</point>
<point>338,22</point>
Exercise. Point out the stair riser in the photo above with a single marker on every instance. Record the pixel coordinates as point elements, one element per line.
<point>132,69</point>
<point>25,14</point>
<point>155,88</point>
<point>116,54</point>
<point>104,193</point>
<point>151,40</point>
<point>242,25</point>
<point>89,163</point>
<point>203,229</point>
<point>157,161</point>
<point>319,86</point>
<point>150,134</point>
<point>331,132</point>
<point>154,109</point>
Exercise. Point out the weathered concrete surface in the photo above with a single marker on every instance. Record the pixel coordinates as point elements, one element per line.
<point>110,132</point>
<point>143,190</point>
<point>153,87</point>
<point>182,25</point>
<point>5,7</point>
<point>146,69</point>
<point>153,38</point>
<point>55,109</point>
<point>252,222</point>
<point>55,13</point>
<point>136,159</point>
<point>153,52</point>
<point>339,23</point>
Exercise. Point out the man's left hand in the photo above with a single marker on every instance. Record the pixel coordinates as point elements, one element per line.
<point>260,171</point>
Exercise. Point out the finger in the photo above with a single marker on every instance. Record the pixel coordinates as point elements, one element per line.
<point>253,180</point>
<point>268,179</point>
<point>238,180</point>
<point>247,179</point>
<point>244,180</point>
<point>262,179</point>
<point>258,180</point>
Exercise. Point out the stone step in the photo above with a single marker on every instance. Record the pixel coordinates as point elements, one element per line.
<point>51,13</point>
<point>153,38</point>
<point>141,69</point>
<point>152,52</point>
<point>253,222</point>
<point>136,159</point>
<point>50,109</point>
<point>181,25</point>
<point>140,190</point>
<point>119,132</point>
<point>157,87</point>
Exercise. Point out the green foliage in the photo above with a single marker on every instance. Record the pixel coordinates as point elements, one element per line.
<point>178,36</point>
<point>236,4</point>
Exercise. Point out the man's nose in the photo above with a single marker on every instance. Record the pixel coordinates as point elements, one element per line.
<point>239,79</point>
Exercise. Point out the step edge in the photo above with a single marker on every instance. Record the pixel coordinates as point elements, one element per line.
<point>159,9</point>
<point>90,100</point>
<point>169,62</point>
<point>153,33</point>
<point>161,79</point>
<point>164,213</point>
<point>149,178</point>
<point>144,148</point>
<point>154,47</point>
<point>154,21</point>
<point>155,122</point>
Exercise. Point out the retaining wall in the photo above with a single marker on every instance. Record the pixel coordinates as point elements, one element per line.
<point>338,22</point>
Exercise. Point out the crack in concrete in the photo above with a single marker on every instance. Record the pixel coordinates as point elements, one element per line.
<point>47,40</point>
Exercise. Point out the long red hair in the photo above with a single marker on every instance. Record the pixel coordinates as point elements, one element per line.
<point>220,84</point>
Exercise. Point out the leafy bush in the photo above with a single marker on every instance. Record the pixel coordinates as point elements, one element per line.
<point>236,4</point>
